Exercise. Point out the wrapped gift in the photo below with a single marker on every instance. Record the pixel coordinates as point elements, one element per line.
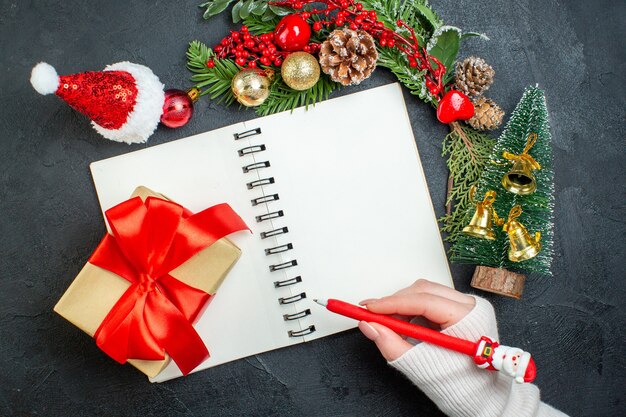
<point>149,280</point>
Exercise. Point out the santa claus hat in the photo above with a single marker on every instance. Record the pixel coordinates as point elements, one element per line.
<point>124,101</point>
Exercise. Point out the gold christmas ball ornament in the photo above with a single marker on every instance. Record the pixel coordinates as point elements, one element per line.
<point>300,71</point>
<point>251,86</point>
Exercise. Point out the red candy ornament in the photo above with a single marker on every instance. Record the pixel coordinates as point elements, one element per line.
<point>178,107</point>
<point>455,106</point>
<point>292,33</point>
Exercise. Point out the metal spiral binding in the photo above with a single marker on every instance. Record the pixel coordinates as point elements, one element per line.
<point>252,150</point>
<point>247,133</point>
<point>287,282</point>
<point>258,183</point>
<point>296,316</point>
<point>300,333</point>
<point>269,216</point>
<point>292,299</point>
<point>256,165</point>
<point>284,265</point>
<point>264,199</point>
<point>274,232</point>
<point>278,249</point>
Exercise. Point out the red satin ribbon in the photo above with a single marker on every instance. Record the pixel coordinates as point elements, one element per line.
<point>156,312</point>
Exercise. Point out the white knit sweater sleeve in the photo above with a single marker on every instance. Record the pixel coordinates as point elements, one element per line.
<point>458,387</point>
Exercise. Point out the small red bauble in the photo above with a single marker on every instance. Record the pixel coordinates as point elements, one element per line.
<point>177,108</point>
<point>292,33</point>
<point>455,106</point>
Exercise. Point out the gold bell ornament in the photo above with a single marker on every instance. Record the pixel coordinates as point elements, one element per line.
<point>481,225</point>
<point>523,245</point>
<point>520,179</point>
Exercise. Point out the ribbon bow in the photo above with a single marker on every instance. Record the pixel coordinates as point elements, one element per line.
<point>515,212</point>
<point>156,312</point>
<point>487,203</point>
<point>530,142</point>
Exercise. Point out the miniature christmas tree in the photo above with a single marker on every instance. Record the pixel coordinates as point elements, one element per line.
<point>517,183</point>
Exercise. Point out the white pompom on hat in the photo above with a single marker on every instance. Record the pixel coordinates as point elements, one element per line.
<point>44,78</point>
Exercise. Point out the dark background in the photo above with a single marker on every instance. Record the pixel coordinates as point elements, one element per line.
<point>50,221</point>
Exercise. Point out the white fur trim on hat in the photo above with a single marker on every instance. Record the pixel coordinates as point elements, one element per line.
<point>44,78</point>
<point>146,114</point>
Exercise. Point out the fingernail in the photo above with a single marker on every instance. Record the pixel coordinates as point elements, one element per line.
<point>368,330</point>
<point>368,301</point>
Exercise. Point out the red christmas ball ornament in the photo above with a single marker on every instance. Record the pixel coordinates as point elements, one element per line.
<point>292,33</point>
<point>178,107</point>
<point>455,106</point>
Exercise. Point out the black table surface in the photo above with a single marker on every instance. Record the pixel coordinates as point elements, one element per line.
<point>50,220</point>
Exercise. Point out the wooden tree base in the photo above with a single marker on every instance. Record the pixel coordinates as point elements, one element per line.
<point>498,280</point>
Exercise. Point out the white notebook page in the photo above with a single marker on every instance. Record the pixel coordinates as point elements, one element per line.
<point>354,198</point>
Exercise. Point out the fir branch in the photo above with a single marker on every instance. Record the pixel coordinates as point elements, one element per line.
<point>215,81</point>
<point>411,78</point>
<point>283,98</point>
<point>458,129</point>
<point>467,151</point>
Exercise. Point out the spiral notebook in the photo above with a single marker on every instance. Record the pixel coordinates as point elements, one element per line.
<point>337,202</point>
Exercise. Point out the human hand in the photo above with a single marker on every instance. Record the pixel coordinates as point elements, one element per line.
<point>437,303</point>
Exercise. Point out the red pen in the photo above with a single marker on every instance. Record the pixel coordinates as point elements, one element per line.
<point>487,354</point>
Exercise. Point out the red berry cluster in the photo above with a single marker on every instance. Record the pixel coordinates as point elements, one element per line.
<point>349,13</point>
<point>251,50</point>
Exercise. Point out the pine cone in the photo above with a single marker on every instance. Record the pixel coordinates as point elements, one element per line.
<point>487,114</point>
<point>473,76</point>
<point>348,56</point>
